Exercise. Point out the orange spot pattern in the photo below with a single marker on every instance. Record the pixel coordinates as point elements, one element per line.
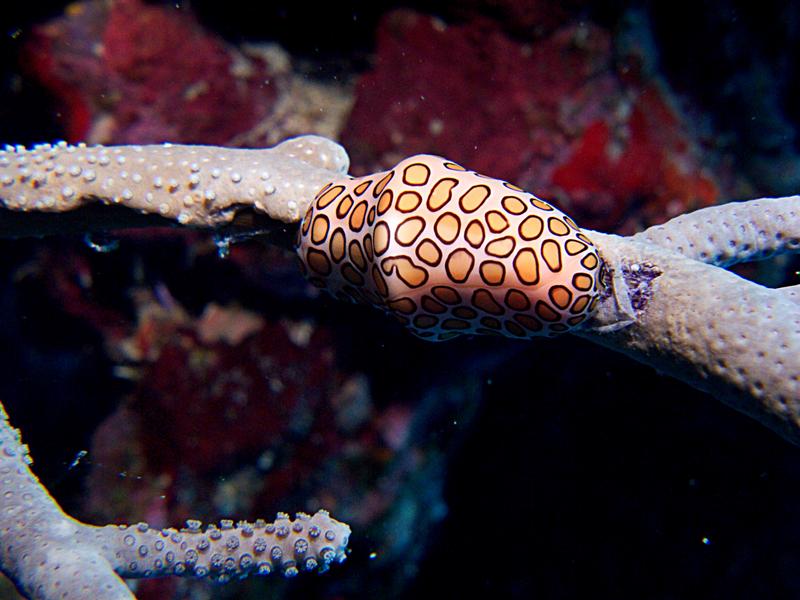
<point>450,252</point>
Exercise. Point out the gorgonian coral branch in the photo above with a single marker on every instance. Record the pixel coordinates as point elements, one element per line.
<point>194,185</point>
<point>735,339</point>
<point>449,251</point>
<point>286,546</point>
<point>50,555</point>
<point>732,233</point>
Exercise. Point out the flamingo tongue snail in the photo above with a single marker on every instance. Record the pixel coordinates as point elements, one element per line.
<point>448,251</point>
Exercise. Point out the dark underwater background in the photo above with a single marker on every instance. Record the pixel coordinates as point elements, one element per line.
<point>156,378</point>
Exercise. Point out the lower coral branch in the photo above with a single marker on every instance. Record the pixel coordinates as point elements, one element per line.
<point>49,555</point>
<point>289,546</point>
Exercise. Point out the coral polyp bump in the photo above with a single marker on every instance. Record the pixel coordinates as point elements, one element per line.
<point>449,251</point>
